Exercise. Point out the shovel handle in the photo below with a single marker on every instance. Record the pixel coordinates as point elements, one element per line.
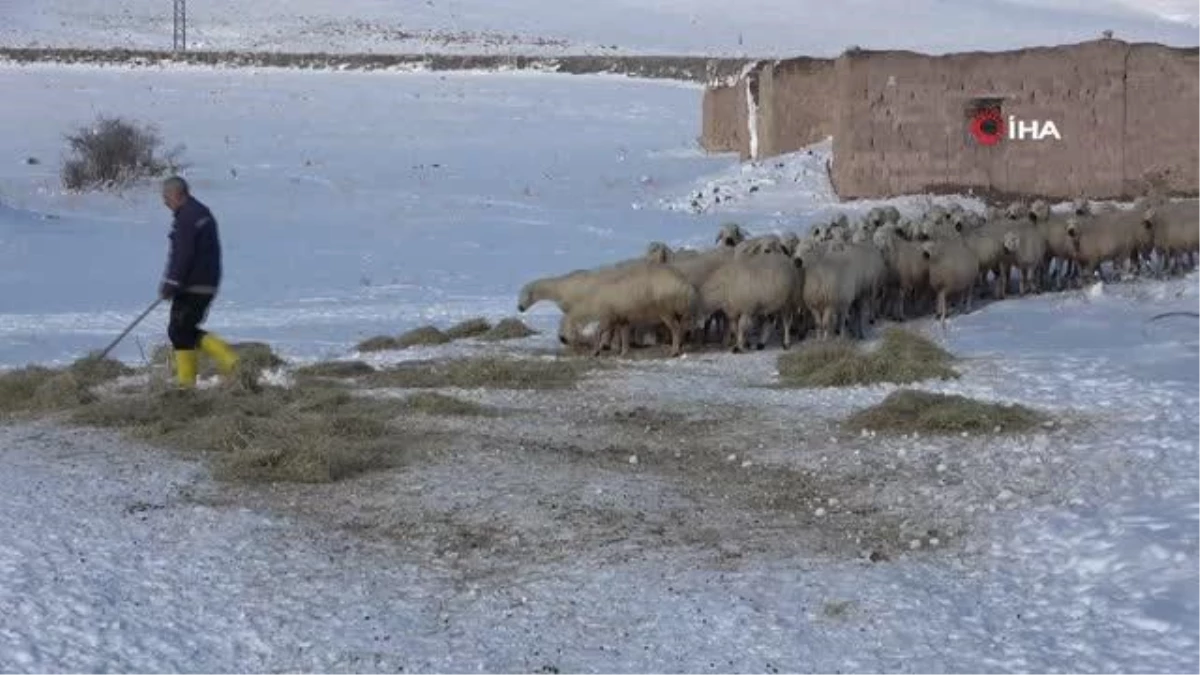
<point>128,328</point>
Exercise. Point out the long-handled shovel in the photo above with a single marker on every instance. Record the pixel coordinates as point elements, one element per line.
<point>125,332</point>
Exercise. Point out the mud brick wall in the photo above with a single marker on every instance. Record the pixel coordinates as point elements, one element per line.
<point>725,128</point>
<point>1128,114</point>
<point>1162,128</point>
<point>905,117</point>
<point>797,104</point>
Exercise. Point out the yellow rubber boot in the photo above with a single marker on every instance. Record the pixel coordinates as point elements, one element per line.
<point>185,368</point>
<point>220,352</point>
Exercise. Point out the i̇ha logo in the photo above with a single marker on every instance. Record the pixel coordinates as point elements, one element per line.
<point>989,127</point>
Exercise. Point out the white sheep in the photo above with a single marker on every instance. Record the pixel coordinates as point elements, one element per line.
<point>1176,233</point>
<point>830,287</point>
<point>1119,237</point>
<point>750,288</point>
<point>1025,249</point>
<point>649,293</point>
<point>953,269</point>
<point>908,270</point>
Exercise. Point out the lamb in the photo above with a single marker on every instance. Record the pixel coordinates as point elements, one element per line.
<point>642,294</point>
<point>750,288</point>
<point>953,268</point>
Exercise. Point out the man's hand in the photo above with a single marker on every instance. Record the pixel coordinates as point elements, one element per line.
<point>166,291</point>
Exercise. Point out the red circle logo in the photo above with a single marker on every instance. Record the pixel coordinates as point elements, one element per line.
<point>987,126</point>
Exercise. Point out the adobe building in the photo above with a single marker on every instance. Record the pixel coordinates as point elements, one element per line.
<point>1127,116</point>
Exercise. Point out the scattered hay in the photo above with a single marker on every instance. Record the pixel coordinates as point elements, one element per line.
<point>17,387</point>
<point>433,403</point>
<point>41,389</point>
<point>253,358</point>
<point>305,434</point>
<point>92,369</point>
<point>486,372</point>
<point>335,369</point>
<point>902,357</point>
<point>421,336</point>
<point>60,392</point>
<point>508,329</point>
<point>909,410</point>
<point>256,356</point>
<point>468,328</point>
<point>379,343</point>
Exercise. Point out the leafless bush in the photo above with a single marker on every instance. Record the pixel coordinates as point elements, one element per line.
<point>114,152</point>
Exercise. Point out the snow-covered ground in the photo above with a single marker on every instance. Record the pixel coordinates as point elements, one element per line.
<point>353,204</point>
<point>703,27</point>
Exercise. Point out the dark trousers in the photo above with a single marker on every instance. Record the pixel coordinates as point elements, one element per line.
<point>188,311</point>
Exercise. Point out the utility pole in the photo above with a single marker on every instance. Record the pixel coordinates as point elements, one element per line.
<point>179,38</point>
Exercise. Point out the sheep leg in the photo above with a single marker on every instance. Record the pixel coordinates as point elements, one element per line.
<point>787,328</point>
<point>603,333</point>
<point>941,307</point>
<point>625,335</point>
<point>742,325</point>
<point>675,326</point>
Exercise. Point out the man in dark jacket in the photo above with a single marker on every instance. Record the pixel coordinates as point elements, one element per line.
<point>192,276</point>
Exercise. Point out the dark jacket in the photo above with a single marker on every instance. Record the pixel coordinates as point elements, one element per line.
<point>194,263</point>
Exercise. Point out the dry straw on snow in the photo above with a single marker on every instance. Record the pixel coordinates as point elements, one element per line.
<point>909,410</point>
<point>902,357</point>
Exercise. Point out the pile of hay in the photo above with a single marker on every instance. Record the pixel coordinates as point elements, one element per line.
<point>909,410</point>
<point>508,329</point>
<point>505,329</point>
<point>484,372</point>
<point>902,357</point>
<point>423,335</point>
<point>40,389</point>
<point>468,328</point>
<point>302,434</point>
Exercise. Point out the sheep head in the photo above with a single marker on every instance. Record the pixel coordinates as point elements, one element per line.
<point>1012,240</point>
<point>658,252</point>
<point>730,234</point>
<point>528,297</point>
<point>1039,211</point>
<point>789,242</point>
<point>1017,211</point>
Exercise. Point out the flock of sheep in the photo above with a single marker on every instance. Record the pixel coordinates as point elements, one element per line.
<point>842,276</point>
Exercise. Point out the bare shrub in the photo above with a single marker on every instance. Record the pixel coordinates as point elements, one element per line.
<point>113,152</point>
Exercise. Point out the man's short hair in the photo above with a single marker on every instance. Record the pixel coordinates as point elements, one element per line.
<point>176,184</point>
